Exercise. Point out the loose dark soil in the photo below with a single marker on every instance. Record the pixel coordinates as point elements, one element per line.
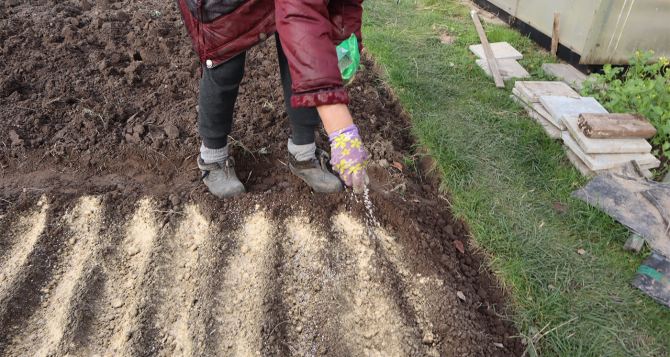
<point>100,99</point>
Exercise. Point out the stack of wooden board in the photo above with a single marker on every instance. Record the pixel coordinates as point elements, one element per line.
<point>594,155</point>
<point>529,94</point>
<point>506,57</point>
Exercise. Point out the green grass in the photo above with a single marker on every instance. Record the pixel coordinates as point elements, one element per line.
<point>505,178</point>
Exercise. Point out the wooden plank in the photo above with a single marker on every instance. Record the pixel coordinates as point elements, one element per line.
<point>599,126</point>
<point>555,33</point>
<point>604,146</point>
<point>493,64</point>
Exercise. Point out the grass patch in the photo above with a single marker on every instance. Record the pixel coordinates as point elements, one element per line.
<point>512,184</point>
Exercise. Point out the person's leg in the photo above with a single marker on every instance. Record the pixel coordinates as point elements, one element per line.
<point>219,87</point>
<point>305,161</point>
<point>304,121</point>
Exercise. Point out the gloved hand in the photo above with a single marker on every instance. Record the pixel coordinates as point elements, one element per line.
<point>349,157</point>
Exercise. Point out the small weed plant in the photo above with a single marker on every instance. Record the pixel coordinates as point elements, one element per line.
<point>642,88</point>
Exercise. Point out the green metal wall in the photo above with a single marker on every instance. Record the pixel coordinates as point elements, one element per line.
<point>600,31</point>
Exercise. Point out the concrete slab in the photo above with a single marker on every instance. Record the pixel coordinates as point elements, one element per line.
<point>519,95</point>
<point>584,170</point>
<point>559,107</point>
<point>566,73</point>
<point>538,107</point>
<point>578,163</point>
<point>509,68</point>
<point>501,50</point>
<point>604,146</point>
<point>533,90</point>
<point>597,162</point>
<point>549,128</point>
<point>630,171</point>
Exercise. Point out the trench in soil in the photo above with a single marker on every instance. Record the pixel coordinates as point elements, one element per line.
<point>110,244</point>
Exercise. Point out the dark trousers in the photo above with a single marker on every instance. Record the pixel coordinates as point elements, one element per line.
<point>218,92</point>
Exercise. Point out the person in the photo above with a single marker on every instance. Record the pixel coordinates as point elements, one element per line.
<point>307,32</point>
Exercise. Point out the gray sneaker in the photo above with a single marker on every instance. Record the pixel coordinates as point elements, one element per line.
<point>315,173</point>
<point>220,178</point>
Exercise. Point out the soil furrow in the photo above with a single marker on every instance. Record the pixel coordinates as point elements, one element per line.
<point>211,270</point>
<point>178,282</point>
<point>26,267</point>
<point>311,290</point>
<point>48,328</point>
<point>97,324</point>
<point>118,311</point>
<point>143,242</point>
<point>375,324</point>
<point>244,291</point>
<point>415,290</point>
<point>23,235</point>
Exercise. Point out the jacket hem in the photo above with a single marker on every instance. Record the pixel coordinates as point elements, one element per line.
<point>318,98</point>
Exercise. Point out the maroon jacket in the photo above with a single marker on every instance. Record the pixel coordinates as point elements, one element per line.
<point>309,31</point>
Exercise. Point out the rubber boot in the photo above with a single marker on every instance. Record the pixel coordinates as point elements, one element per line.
<point>315,173</point>
<point>220,178</point>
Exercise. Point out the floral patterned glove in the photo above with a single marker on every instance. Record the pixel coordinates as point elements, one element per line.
<point>349,158</point>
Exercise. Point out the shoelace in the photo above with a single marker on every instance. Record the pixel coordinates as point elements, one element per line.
<point>227,164</point>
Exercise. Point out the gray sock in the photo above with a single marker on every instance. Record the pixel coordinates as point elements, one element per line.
<point>302,152</point>
<point>210,156</point>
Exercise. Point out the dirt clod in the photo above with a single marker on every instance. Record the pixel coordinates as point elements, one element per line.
<point>172,131</point>
<point>460,295</point>
<point>117,303</point>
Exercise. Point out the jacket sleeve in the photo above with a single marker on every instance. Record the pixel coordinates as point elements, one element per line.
<point>308,35</point>
<point>346,16</point>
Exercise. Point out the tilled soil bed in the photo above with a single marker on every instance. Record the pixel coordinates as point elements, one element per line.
<point>110,245</point>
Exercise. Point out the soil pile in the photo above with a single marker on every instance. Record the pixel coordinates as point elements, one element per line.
<point>111,245</point>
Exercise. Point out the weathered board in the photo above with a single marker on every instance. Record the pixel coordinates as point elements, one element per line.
<point>604,146</point>
<point>639,204</point>
<point>598,162</point>
<point>616,126</point>
<point>492,63</point>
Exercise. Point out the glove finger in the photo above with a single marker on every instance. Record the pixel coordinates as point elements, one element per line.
<point>359,181</point>
<point>346,178</point>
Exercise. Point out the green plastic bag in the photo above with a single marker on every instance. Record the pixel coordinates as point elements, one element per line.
<point>349,58</point>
